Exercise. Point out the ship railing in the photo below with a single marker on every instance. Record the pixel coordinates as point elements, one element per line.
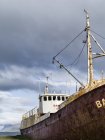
<point>32,120</point>
<point>60,91</point>
<point>29,113</point>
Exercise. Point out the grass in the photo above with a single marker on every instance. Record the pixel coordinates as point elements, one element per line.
<point>13,138</point>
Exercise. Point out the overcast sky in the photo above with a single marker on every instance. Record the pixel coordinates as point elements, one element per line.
<point>31,33</point>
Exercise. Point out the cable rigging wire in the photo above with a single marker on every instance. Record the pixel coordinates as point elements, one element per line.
<point>68,44</point>
<point>98,34</point>
<point>78,57</point>
<point>61,65</point>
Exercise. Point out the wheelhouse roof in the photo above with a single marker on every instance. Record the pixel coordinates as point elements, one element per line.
<point>54,94</point>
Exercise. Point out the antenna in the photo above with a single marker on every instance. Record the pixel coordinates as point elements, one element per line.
<point>39,87</point>
<point>76,87</point>
<point>46,87</point>
<point>102,74</point>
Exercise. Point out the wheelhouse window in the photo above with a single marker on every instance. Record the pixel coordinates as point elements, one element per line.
<point>58,98</point>
<point>66,98</point>
<point>54,98</point>
<point>63,98</point>
<point>45,98</point>
<point>49,98</point>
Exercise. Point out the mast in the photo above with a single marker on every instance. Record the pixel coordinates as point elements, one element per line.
<point>89,50</point>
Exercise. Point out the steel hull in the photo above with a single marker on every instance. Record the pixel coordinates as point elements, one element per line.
<point>79,120</point>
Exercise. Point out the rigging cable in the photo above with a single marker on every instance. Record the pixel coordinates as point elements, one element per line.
<point>98,34</point>
<point>78,57</point>
<point>68,44</point>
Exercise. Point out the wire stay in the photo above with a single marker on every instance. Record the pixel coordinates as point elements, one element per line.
<point>68,44</point>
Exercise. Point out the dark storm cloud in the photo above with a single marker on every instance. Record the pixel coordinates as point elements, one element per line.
<point>16,84</point>
<point>32,32</point>
<point>28,36</point>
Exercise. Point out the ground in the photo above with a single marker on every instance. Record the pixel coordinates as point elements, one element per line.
<point>13,138</point>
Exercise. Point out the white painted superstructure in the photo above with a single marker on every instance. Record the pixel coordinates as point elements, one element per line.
<point>50,102</point>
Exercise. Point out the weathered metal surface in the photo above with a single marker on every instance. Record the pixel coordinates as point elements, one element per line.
<point>82,119</point>
<point>30,121</point>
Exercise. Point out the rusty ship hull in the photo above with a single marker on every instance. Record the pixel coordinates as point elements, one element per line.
<point>81,119</point>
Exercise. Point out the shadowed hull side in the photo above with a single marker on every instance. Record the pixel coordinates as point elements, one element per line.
<point>79,120</point>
